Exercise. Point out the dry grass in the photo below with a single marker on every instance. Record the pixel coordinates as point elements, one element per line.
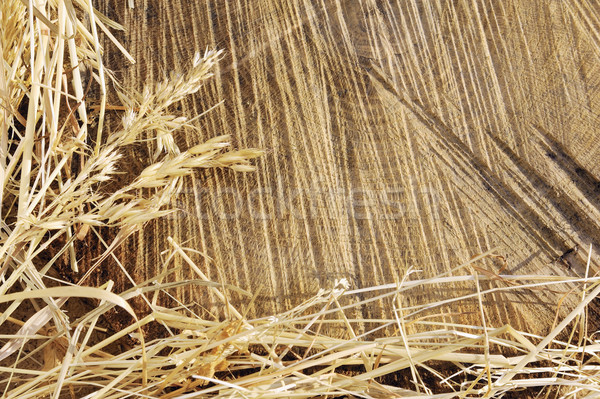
<point>287,355</point>
<point>61,181</point>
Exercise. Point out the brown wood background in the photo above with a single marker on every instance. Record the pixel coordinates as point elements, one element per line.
<point>398,133</point>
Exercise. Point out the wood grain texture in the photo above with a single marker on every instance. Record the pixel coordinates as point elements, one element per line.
<point>398,134</point>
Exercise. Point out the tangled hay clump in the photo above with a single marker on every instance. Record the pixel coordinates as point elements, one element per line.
<point>60,170</point>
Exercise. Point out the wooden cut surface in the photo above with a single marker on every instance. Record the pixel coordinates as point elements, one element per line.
<point>398,134</point>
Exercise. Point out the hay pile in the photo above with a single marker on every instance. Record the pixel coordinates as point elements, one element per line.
<point>63,181</point>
